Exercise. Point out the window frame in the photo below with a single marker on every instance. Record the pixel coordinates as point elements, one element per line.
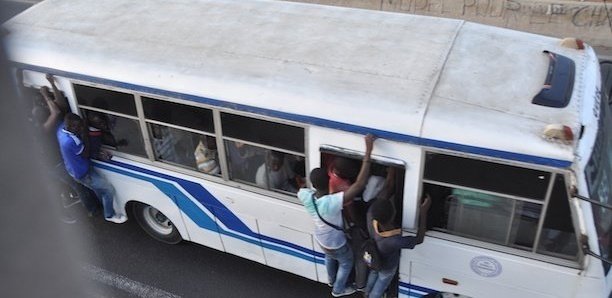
<point>378,160</point>
<point>103,87</point>
<point>218,134</point>
<point>576,263</point>
<point>76,108</point>
<point>252,187</point>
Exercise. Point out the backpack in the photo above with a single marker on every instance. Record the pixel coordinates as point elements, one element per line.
<point>370,254</point>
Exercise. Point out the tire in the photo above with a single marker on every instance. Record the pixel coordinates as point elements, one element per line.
<point>156,224</point>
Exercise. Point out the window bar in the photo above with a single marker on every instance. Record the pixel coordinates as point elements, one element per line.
<point>511,223</point>
<point>143,128</point>
<point>551,184</point>
<point>85,107</point>
<point>513,197</point>
<point>201,132</point>
<point>268,147</point>
<point>220,145</point>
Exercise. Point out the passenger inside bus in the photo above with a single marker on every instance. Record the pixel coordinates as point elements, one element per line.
<point>244,160</point>
<point>164,143</point>
<point>104,123</point>
<point>97,126</point>
<point>206,155</point>
<point>275,173</point>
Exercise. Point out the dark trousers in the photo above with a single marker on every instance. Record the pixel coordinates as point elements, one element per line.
<point>88,198</point>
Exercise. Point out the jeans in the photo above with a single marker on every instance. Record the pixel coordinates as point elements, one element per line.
<point>339,264</point>
<point>358,237</point>
<point>104,190</point>
<point>378,281</point>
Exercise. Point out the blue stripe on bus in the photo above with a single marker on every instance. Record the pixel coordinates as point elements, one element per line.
<point>212,204</point>
<point>237,229</point>
<point>311,120</point>
<point>409,289</point>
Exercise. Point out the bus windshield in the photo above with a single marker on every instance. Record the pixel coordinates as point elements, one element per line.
<point>599,176</point>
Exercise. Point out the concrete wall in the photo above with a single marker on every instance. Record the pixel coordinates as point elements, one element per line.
<point>587,20</point>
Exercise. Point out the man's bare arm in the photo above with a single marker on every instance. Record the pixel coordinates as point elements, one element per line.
<point>364,172</point>
<point>60,100</point>
<point>54,112</point>
<point>423,219</point>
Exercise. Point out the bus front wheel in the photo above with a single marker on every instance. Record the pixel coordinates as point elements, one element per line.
<point>156,224</point>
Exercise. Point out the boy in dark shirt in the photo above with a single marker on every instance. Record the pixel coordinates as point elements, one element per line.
<point>389,242</point>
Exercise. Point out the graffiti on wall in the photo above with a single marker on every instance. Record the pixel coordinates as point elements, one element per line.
<point>511,12</point>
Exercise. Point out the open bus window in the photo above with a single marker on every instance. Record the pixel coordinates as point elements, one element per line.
<point>343,169</point>
<point>460,208</point>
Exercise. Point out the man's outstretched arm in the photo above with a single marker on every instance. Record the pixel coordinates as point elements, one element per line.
<point>364,172</point>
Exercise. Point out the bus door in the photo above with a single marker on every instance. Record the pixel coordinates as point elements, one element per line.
<point>494,229</point>
<point>401,176</point>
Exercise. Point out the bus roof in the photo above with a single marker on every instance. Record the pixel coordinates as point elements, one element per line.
<point>420,79</point>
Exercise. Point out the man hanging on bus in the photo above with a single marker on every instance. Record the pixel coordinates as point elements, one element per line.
<point>74,147</point>
<point>326,211</point>
<point>389,240</point>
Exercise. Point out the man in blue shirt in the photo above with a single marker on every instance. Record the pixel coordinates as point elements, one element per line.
<point>72,139</point>
<point>326,211</point>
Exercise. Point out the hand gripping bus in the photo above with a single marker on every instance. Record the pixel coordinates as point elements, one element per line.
<point>218,109</point>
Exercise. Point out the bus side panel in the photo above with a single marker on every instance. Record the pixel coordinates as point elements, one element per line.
<point>244,245</point>
<point>480,272</point>
<point>205,215</point>
<point>264,229</point>
<point>290,259</point>
<point>203,236</point>
<point>139,187</point>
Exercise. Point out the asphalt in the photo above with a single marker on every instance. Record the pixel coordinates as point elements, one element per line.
<point>130,256</point>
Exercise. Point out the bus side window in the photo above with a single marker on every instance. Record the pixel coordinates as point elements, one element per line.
<point>114,113</point>
<point>182,135</point>
<point>265,154</point>
<point>558,235</point>
<point>498,203</point>
<point>483,216</point>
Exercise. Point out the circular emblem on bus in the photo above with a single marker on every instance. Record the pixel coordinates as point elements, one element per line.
<point>486,266</point>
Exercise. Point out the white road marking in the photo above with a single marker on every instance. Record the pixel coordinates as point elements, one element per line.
<point>125,284</point>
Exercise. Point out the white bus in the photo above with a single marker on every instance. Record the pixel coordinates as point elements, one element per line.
<point>506,131</point>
